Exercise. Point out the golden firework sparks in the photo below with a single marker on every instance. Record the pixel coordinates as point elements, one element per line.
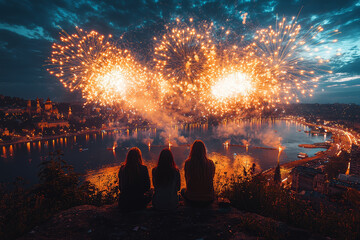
<point>104,74</point>
<point>277,67</point>
<point>192,74</point>
<point>184,56</point>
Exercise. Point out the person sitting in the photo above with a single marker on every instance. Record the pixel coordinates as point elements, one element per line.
<point>199,176</point>
<point>134,182</point>
<point>166,181</point>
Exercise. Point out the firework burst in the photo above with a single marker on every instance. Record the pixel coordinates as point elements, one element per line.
<point>184,56</point>
<point>280,65</point>
<point>291,56</point>
<point>191,73</point>
<point>91,63</point>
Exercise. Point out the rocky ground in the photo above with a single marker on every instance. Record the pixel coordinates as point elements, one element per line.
<point>219,221</point>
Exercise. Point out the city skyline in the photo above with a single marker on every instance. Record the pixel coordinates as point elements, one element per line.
<point>28,30</point>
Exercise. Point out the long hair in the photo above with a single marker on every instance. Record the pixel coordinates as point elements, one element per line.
<point>132,165</point>
<point>197,162</point>
<point>165,170</point>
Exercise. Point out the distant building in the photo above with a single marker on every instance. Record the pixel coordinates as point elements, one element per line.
<point>38,107</point>
<point>320,183</point>
<point>355,160</point>
<point>52,124</point>
<point>28,107</point>
<point>14,111</point>
<point>303,178</point>
<point>6,132</point>
<point>311,179</point>
<point>48,106</point>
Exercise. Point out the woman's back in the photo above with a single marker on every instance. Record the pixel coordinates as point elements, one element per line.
<point>134,185</point>
<point>165,195</point>
<point>199,181</point>
<point>134,182</point>
<point>199,175</point>
<point>166,181</point>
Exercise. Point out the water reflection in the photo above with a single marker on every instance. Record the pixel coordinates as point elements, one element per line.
<point>259,140</point>
<point>28,146</point>
<point>4,152</point>
<point>11,150</point>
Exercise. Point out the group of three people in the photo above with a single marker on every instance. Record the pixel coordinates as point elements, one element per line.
<point>134,181</point>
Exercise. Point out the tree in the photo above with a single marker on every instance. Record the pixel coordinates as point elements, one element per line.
<point>277,174</point>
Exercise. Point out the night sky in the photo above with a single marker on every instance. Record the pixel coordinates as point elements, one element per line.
<point>28,29</point>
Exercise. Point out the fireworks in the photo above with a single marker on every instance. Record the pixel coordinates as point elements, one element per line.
<point>184,57</point>
<point>236,83</point>
<point>191,74</point>
<point>103,73</point>
<point>289,55</point>
<point>277,67</point>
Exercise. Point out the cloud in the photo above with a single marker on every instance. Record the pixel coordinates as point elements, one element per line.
<point>342,77</point>
<point>36,33</point>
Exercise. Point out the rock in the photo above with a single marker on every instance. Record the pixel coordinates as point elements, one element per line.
<point>107,222</point>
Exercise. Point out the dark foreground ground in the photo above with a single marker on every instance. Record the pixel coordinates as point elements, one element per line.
<point>107,222</point>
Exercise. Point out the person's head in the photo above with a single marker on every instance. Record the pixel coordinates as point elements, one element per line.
<point>165,170</point>
<point>198,151</point>
<point>166,159</point>
<point>197,165</point>
<point>133,157</point>
<point>132,166</point>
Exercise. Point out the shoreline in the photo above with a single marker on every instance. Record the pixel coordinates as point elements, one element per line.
<point>335,148</point>
<point>47,138</point>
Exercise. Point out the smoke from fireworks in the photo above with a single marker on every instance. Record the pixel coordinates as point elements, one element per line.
<point>191,75</point>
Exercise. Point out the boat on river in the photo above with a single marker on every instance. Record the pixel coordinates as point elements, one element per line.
<point>302,155</point>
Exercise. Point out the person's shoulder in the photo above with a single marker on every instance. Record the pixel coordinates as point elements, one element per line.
<point>186,162</point>
<point>143,168</point>
<point>211,162</point>
<point>121,169</point>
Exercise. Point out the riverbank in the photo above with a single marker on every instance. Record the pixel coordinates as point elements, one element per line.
<point>342,141</point>
<point>48,138</point>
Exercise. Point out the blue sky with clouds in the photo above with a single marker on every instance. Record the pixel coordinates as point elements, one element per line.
<point>29,27</point>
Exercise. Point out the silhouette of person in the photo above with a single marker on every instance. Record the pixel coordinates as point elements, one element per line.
<point>199,176</point>
<point>134,182</point>
<point>166,181</point>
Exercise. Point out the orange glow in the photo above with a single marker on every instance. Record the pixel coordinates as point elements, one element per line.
<point>28,146</point>
<point>191,73</point>
<point>11,150</point>
<point>226,145</point>
<point>4,150</point>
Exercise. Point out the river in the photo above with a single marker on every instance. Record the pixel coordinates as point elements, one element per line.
<point>93,151</point>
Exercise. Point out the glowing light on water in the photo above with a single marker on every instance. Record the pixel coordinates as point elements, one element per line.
<point>28,146</point>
